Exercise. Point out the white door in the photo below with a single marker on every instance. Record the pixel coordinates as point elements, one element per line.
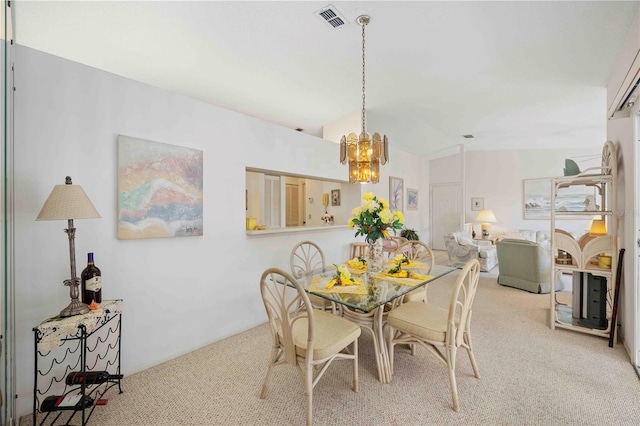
<point>446,212</point>
<point>293,205</point>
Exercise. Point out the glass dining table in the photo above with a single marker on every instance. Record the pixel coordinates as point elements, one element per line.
<point>370,298</point>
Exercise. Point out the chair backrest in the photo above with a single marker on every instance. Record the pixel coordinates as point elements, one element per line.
<point>391,244</point>
<point>399,240</point>
<point>306,257</point>
<point>286,302</point>
<point>462,298</point>
<point>417,250</point>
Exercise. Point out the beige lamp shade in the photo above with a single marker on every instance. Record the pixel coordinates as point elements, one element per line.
<point>67,202</point>
<point>598,227</point>
<point>486,216</point>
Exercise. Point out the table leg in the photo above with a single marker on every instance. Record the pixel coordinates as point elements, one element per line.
<point>382,344</point>
<point>374,322</point>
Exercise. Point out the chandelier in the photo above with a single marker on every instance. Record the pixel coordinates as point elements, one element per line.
<point>364,153</point>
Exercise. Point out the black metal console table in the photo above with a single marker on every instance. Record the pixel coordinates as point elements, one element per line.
<point>77,344</point>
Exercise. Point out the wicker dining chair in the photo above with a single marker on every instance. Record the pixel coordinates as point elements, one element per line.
<point>306,258</point>
<point>442,331</point>
<point>417,250</point>
<point>391,244</point>
<point>306,338</point>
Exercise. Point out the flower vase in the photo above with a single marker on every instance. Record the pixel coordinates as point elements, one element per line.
<point>375,260</point>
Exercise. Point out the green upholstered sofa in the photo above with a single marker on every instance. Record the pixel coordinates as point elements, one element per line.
<point>525,265</point>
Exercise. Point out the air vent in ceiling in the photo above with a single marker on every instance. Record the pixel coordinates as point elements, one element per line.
<point>467,136</point>
<point>331,16</point>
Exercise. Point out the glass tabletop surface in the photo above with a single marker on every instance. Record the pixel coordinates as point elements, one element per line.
<point>371,290</point>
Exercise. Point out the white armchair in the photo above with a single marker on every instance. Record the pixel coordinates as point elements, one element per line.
<point>461,248</point>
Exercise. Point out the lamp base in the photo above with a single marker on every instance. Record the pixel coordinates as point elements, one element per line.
<point>76,307</point>
<point>485,230</point>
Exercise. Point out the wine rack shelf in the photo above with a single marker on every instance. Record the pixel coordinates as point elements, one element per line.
<point>77,345</point>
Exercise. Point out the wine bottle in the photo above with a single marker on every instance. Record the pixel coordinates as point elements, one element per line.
<point>67,402</point>
<point>91,279</point>
<point>90,377</point>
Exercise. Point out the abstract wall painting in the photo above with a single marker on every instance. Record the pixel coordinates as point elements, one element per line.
<point>159,190</point>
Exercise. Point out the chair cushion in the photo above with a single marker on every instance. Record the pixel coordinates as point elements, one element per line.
<point>331,334</point>
<point>319,302</point>
<point>423,320</point>
<point>463,238</point>
<point>417,295</point>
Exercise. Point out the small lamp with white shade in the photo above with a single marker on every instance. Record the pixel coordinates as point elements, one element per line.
<point>68,202</point>
<point>486,217</point>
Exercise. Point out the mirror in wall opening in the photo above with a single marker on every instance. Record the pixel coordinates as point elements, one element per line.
<point>282,200</point>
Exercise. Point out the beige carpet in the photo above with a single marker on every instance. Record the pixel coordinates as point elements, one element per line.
<point>530,375</point>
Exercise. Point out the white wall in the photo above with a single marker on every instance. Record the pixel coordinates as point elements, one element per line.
<point>350,123</point>
<point>624,132</point>
<point>497,176</point>
<point>626,69</point>
<point>179,293</point>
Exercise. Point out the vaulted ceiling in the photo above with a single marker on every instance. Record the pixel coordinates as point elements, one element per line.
<point>514,74</point>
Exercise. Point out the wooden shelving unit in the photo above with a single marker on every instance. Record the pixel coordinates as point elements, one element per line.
<point>584,254</point>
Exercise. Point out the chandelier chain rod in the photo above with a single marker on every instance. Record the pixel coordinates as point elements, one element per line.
<point>364,24</point>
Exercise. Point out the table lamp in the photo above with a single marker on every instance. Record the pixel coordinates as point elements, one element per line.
<point>598,227</point>
<point>486,217</point>
<point>68,202</point>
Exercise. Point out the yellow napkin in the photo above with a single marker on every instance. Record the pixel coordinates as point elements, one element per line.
<point>319,285</point>
<point>399,274</point>
<point>411,280</point>
<point>415,276</point>
<point>356,263</point>
<point>344,283</point>
<point>413,264</point>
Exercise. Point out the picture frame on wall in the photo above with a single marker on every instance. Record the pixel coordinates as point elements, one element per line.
<point>412,199</point>
<point>536,198</point>
<point>396,190</point>
<point>477,204</point>
<point>335,197</point>
<point>146,209</point>
<point>536,203</point>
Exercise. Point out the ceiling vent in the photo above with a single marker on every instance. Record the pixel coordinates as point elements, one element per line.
<point>331,16</point>
<point>467,136</point>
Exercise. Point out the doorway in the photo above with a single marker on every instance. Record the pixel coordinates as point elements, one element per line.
<point>292,205</point>
<point>446,212</point>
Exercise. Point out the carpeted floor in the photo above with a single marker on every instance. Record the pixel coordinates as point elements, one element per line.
<point>530,375</point>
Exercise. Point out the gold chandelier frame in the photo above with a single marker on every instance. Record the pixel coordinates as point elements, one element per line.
<point>364,153</point>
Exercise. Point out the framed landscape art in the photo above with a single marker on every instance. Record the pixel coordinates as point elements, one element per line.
<point>537,199</point>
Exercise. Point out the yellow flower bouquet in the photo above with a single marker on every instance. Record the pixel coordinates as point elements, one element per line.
<point>373,218</point>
